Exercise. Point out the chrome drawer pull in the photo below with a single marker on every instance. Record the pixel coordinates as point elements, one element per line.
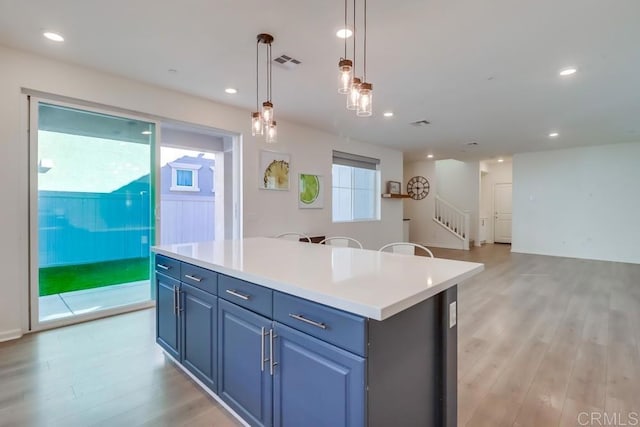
<point>238,294</point>
<point>310,322</point>
<point>164,267</point>
<point>194,278</point>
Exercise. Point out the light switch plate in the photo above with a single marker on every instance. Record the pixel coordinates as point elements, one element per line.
<point>453,314</point>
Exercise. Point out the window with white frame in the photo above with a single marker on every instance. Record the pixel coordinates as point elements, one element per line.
<point>184,177</point>
<point>356,184</point>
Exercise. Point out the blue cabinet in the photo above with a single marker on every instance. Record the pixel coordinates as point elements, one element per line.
<point>244,368</point>
<point>316,383</point>
<point>167,326</point>
<point>199,332</point>
<point>187,322</point>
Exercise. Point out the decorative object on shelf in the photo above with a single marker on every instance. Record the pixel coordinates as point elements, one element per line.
<point>310,191</point>
<point>359,92</point>
<point>262,121</point>
<point>418,187</point>
<point>393,187</point>
<point>274,170</point>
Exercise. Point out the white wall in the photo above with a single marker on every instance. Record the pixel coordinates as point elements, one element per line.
<point>265,212</point>
<point>459,184</point>
<point>579,203</point>
<point>421,226</point>
<point>493,173</point>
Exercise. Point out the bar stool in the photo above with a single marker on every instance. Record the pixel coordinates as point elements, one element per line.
<point>341,241</point>
<point>406,248</point>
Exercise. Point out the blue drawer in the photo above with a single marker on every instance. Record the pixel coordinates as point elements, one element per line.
<point>167,266</point>
<point>199,277</point>
<point>254,297</point>
<point>337,327</point>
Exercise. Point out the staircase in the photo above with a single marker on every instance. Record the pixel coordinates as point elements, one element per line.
<point>454,220</point>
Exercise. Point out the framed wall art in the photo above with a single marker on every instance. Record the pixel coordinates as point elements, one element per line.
<point>310,191</point>
<point>273,170</point>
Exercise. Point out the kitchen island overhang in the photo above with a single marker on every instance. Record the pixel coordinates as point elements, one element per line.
<point>393,316</point>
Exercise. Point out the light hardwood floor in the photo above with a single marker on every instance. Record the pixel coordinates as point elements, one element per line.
<point>541,339</point>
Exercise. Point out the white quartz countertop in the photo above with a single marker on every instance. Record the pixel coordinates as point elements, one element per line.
<point>364,282</point>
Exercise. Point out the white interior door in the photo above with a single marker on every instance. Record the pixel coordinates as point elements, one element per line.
<point>502,213</point>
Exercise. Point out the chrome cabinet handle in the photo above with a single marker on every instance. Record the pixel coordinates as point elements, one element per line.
<point>263,335</point>
<point>308,321</point>
<point>194,278</point>
<point>162,266</point>
<point>238,294</point>
<point>272,363</point>
<point>175,305</point>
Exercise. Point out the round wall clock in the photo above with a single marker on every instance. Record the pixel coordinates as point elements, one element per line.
<point>418,187</point>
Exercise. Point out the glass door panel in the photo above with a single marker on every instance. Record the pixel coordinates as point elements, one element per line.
<point>94,211</point>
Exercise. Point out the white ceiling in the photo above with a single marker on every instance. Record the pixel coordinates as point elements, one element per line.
<point>483,71</point>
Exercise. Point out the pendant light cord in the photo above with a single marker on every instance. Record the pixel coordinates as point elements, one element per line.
<point>345,29</point>
<point>270,71</point>
<point>257,75</point>
<point>365,41</point>
<point>354,38</point>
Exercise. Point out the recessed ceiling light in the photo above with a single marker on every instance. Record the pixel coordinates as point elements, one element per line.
<point>231,90</point>
<point>568,71</point>
<point>53,36</point>
<point>146,132</point>
<point>388,114</point>
<point>429,156</point>
<point>344,33</point>
<point>500,160</point>
<point>553,134</point>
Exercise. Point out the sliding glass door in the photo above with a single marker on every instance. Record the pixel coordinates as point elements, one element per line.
<point>92,207</point>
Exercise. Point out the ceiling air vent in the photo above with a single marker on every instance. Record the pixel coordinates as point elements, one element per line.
<point>420,123</point>
<point>287,62</point>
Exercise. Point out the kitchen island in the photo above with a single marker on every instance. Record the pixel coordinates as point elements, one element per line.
<point>297,334</point>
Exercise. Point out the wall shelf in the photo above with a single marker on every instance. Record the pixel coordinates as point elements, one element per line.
<point>395,196</point>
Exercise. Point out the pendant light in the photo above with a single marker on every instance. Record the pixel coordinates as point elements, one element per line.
<point>365,101</point>
<point>262,121</point>
<point>345,65</point>
<point>353,99</point>
<point>359,91</point>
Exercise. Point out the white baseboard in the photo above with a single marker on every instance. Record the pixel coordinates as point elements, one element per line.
<point>10,335</point>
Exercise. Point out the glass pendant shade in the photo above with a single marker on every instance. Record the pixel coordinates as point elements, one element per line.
<point>353,96</point>
<point>345,66</point>
<point>256,124</point>
<point>272,133</point>
<point>366,99</point>
<point>267,112</point>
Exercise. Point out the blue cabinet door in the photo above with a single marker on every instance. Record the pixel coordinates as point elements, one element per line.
<point>244,379</point>
<point>199,332</point>
<point>316,384</point>
<point>167,331</point>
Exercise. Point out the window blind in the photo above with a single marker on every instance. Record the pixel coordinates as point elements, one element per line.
<point>355,160</point>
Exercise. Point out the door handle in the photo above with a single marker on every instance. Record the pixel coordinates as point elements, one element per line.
<point>272,363</point>
<point>194,278</point>
<point>175,304</point>
<point>263,335</point>
<point>162,266</point>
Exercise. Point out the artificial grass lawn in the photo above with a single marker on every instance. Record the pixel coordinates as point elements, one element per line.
<point>55,280</point>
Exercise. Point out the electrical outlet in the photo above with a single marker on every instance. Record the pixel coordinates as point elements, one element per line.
<point>453,314</point>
